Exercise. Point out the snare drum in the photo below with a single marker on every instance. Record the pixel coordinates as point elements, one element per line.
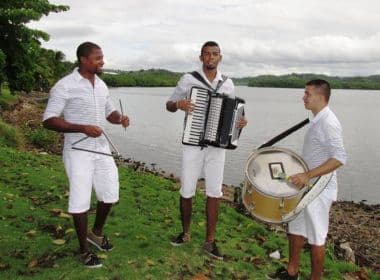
<point>265,194</point>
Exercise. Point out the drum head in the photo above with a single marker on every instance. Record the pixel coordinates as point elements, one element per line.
<point>264,168</point>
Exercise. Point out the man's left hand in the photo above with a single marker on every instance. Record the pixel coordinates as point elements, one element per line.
<point>242,122</point>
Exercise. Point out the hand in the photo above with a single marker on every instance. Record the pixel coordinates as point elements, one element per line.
<point>124,121</point>
<point>242,122</point>
<point>185,105</point>
<point>92,130</point>
<point>299,180</point>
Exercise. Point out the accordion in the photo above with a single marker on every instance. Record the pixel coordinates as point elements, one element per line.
<point>213,120</point>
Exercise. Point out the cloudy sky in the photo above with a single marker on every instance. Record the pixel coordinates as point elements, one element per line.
<point>340,37</point>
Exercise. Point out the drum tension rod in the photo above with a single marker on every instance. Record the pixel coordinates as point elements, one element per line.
<point>282,203</point>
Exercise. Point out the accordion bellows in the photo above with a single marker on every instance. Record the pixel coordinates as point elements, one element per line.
<point>214,119</point>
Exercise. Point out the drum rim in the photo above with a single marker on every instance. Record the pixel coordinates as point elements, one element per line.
<point>280,149</point>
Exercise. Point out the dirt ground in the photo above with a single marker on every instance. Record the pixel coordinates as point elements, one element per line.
<point>354,224</point>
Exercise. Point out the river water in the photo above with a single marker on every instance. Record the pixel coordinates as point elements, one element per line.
<point>154,135</point>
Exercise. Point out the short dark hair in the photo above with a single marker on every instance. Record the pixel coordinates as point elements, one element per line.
<point>85,49</point>
<point>209,44</point>
<point>323,86</point>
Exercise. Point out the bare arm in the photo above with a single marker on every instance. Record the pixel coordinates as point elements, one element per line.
<point>328,166</point>
<point>60,125</point>
<point>171,106</point>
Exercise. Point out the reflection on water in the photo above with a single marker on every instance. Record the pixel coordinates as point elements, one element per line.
<point>154,135</point>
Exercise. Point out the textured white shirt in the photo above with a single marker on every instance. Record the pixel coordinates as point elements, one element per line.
<point>323,141</point>
<point>187,81</point>
<point>79,102</point>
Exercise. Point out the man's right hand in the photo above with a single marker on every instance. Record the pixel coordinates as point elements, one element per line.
<point>92,130</point>
<point>185,105</point>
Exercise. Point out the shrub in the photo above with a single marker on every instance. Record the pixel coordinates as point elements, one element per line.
<point>43,138</point>
<point>10,136</point>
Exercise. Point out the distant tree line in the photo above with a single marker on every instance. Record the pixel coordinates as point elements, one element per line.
<point>299,80</point>
<point>141,78</point>
<point>24,64</point>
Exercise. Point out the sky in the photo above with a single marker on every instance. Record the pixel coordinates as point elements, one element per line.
<point>340,37</point>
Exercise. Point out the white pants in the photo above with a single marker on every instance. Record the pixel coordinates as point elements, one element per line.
<point>86,170</point>
<point>211,161</point>
<point>313,222</point>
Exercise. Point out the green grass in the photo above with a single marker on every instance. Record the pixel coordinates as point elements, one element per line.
<point>41,137</point>
<point>140,226</point>
<point>10,136</point>
<point>7,99</point>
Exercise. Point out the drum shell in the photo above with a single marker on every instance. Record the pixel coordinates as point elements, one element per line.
<point>267,208</point>
<point>259,199</point>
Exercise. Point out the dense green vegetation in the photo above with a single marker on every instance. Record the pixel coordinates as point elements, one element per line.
<point>165,78</point>
<point>142,78</point>
<point>37,238</point>
<point>6,98</point>
<point>24,64</point>
<point>10,136</point>
<point>299,80</point>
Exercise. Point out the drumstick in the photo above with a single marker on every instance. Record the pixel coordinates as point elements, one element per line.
<point>122,111</point>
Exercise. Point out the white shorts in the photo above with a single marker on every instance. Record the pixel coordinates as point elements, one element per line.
<point>86,170</point>
<point>313,222</point>
<point>211,161</point>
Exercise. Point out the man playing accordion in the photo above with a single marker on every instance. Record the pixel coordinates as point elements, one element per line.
<point>196,159</point>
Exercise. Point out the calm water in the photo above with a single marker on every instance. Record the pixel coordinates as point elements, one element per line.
<point>154,135</point>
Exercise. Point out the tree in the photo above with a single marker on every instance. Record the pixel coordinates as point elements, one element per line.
<point>50,66</point>
<point>2,64</point>
<point>20,44</point>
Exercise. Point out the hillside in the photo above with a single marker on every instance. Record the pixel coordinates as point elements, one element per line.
<point>299,80</point>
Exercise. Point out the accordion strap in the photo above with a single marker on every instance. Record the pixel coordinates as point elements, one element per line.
<point>200,78</point>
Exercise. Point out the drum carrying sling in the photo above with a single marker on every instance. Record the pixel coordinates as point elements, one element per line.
<point>266,195</point>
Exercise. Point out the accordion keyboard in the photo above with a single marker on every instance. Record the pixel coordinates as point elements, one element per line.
<point>194,126</point>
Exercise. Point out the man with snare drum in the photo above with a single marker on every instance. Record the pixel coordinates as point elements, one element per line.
<point>323,151</point>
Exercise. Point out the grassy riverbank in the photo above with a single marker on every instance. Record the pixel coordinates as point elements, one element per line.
<point>37,239</point>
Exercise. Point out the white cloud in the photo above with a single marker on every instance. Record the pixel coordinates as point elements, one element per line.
<point>257,37</point>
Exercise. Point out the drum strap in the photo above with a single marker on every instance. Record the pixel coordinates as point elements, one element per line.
<point>314,191</point>
<point>284,134</point>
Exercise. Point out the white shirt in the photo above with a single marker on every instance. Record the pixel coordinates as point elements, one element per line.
<point>80,102</point>
<point>323,141</point>
<point>187,81</point>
